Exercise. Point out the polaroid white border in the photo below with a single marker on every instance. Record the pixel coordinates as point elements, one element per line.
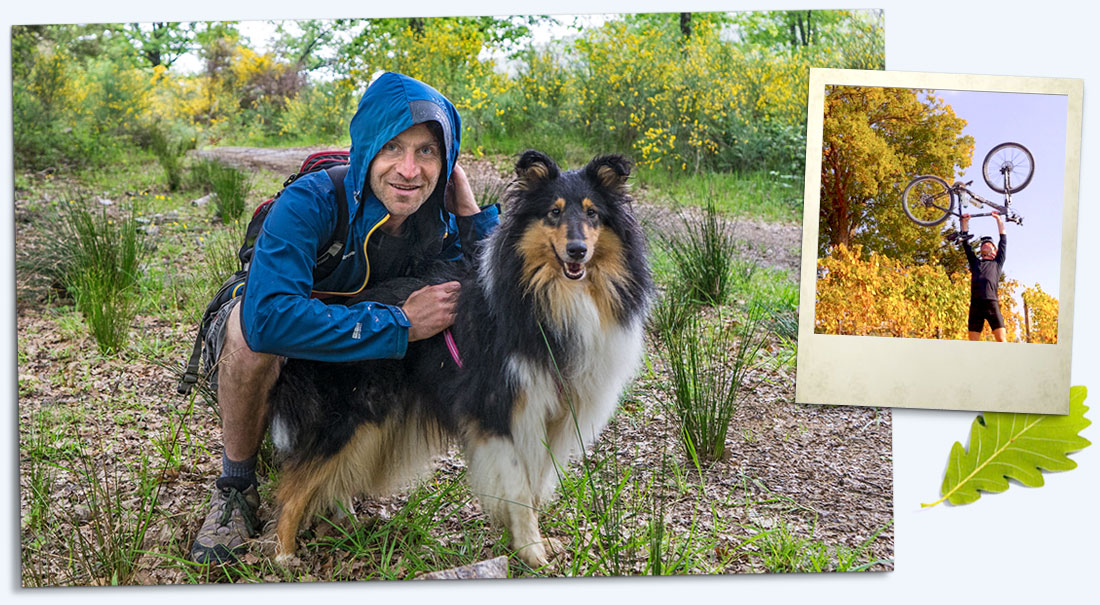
<point>926,373</point>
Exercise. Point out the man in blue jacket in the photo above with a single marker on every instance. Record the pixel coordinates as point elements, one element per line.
<point>402,213</point>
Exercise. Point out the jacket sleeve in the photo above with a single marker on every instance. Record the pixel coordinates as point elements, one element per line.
<point>971,258</point>
<point>1003,240</point>
<point>471,230</point>
<point>278,316</point>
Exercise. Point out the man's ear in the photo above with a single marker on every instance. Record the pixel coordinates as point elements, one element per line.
<point>609,172</point>
<point>534,168</point>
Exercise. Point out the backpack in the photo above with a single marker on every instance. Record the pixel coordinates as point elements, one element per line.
<point>335,164</point>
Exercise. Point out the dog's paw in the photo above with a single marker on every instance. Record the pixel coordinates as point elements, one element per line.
<point>287,559</point>
<point>541,553</point>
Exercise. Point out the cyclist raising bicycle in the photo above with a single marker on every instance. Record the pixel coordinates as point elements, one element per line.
<point>985,274</point>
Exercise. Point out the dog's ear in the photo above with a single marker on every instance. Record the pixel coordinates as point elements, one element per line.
<point>534,168</point>
<point>609,172</point>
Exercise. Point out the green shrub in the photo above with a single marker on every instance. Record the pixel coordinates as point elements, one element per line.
<point>231,190</point>
<point>169,152</point>
<point>100,269</point>
<point>320,112</point>
<point>703,255</point>
<point>709,365</point>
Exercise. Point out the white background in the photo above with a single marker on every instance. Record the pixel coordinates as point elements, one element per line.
<point>1019,546</point>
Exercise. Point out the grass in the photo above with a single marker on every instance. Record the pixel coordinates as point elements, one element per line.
<point>567,150</point>
<point>108,509</point>
<point>703,256</point>
<point>767,196</point>
<point>98,265</point>
<point>781,550</point>
<point>709,366</point>
<point>169,153</point>
<point>231,190</point>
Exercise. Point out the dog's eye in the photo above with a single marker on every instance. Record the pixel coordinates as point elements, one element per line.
<point>592,213</point>
<point>555,213</point>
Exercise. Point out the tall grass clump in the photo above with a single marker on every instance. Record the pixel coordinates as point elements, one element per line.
<point>709,365</point>
<point>673,310</point>
<point>231,190</point>
<point>169,153</point>
<point>703,255</point>
<point>100,268</point>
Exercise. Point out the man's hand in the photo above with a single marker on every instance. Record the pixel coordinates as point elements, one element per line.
<point>965,221</point>
<point>1000,222</point>
<point>459,196</point>
<point>431,310</point>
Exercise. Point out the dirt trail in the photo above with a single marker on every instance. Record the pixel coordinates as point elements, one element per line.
<point>771,244</point>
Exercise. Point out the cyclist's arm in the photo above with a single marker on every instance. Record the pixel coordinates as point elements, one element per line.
<point>971,258</point>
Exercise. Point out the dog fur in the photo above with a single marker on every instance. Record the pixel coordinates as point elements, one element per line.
<point>550,328</point>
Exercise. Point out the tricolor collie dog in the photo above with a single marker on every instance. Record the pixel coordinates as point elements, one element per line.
<point>548,332</point>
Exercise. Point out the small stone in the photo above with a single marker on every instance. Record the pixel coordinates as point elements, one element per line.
<point>482,570</point>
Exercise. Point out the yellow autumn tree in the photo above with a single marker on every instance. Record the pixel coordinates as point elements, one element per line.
<point>875,295</point>
<point>1041,316</point>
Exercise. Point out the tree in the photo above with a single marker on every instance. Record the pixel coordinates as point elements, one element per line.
<point>874,141</point>
<point>856,36</point>
<point>304,43</point>
<point>1042,315</point>
<point>160,43</point>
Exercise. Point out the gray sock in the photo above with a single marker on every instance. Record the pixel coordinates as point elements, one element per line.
<point>244,469</point>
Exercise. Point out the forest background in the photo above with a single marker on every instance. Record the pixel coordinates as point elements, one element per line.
<point>691,93</point>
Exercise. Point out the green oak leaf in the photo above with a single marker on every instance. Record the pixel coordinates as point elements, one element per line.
<point>1007,445</point>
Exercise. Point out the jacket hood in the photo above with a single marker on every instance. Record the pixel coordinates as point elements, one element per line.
<point>391,104</point>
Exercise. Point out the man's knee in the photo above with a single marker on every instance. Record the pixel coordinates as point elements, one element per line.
<point>238,359</point>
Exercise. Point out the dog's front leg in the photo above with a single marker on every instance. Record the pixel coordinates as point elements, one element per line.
<point>499,477</point>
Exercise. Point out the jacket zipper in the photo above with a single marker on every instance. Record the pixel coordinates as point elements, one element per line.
<point>366,259</point>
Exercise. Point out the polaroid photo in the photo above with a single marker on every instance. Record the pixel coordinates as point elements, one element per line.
<point>939,241</point>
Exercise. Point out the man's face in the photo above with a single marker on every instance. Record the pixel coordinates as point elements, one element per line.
<point>988,251</point>
<point>404,172</point>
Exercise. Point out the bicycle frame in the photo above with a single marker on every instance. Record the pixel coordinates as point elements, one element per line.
<point>1006,211</point>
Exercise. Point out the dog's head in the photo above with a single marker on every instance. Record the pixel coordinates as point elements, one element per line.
<point>567,221</point>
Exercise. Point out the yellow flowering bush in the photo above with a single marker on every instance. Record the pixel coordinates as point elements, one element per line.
<point>876,295</point>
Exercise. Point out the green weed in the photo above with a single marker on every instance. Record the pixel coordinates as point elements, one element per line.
<point>99,265</point>
<point>169,153</point>
<point>703,255</point>
<point>780,550</point>
<point>709,366</point>
<point>231,188</point>
<point>413,540</point>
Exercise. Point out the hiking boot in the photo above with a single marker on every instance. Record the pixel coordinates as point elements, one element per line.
<point>231,522</point>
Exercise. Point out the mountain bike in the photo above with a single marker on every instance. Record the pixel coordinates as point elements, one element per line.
<point>928,200</point>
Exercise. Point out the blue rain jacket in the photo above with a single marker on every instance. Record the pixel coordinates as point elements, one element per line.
<point>279,314</point>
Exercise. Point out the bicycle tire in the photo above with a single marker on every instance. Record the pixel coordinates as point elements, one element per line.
<point>1010,156</point>
<point>917,200</point>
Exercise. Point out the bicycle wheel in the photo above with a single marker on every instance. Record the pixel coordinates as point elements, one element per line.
<point>927,200</point>
<point>1012,159</point>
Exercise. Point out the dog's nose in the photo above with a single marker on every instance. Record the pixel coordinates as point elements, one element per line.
<point>576,250</point>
